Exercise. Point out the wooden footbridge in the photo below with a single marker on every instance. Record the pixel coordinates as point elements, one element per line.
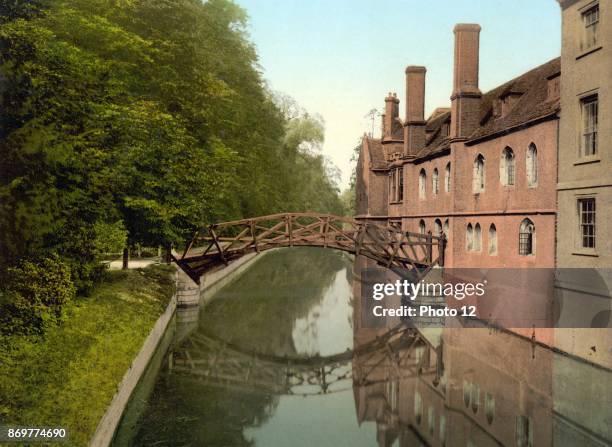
<point>219,244</point>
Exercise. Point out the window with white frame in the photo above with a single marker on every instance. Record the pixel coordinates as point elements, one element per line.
<point>479,173</point>
<point>447,177</point>
<point>532,165</point>
<point>527,238</point>
<point>446,228</point>
<point>590,111</point>
<point>507,167</point>
<point>435,186</point>
<point>422,183</point>
<point>492,240</point>
<point>586,211</point>
<point>590,19</point>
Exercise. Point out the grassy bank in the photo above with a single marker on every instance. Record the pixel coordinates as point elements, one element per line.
<point>68,377</point>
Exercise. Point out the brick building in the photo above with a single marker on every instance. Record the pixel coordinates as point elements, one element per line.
<point>484,171</point>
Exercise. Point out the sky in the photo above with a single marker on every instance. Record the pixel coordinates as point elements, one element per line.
<point>340,58</point>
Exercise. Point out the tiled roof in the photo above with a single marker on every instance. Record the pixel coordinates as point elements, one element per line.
<point>377,155</point>
<point>532,104</point>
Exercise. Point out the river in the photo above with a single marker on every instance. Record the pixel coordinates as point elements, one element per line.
<point>278,358</point>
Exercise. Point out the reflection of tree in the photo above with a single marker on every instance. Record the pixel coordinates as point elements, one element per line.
<point>257,312</point>
<point>259,309</point>
<point>182,412</point>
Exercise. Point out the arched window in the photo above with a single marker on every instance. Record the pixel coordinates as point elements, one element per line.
<point>431,419</point>
<point>446,228</point>
<point>507,167</point>
<point>532,165</point>
<point>437,227</point>
<point>469,237</point>
<point>447,178</point>
<point>435,184</point>
<point>467,393</point>
<point>527,238</point>
<point>479,174</point>
<point>475,397</point>
<point>489,406</point>
<point>477,238</point>
<point>422,228</point>
<point>443,429</point>
<point>422,183</point>
<point>418,407</point>
<point>492,240</point>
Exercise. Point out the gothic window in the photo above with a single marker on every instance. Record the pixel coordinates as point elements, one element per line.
<point>400,188</point>
<point>586,211</point>
<point>527,238</point>
<point>479,174</point>
<point>492,240</point>
<point>507,167</point>
<point>422,183</point>
<point>431,420</point>
<point>477,238</point>
<point>434,182</point>
<point>590,111</point>
<point>447,177</point>
<point>489,407</point>
<point>422,227</point>
<point>446,228</point>
<point>437,227</point>
<point>418,407</point>
<point>532,165</point>
<point>469,237</point>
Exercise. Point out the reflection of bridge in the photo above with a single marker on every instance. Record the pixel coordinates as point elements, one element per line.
<point>220,363</point>
<point>221,243</point>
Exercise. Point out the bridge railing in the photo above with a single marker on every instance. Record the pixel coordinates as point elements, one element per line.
<point>389,246</point>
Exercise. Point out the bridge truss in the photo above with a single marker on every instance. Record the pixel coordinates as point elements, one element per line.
<point>219,244</point>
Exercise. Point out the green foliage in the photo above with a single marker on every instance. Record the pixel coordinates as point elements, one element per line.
<point>68,377</point>
<point>141,121</point>
<point>34,296</point>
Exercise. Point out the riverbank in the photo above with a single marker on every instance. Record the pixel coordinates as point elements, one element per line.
<point>68,377</point>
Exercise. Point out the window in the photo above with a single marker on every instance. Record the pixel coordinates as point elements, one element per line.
<point>477,237</point>
<point>590,18</point>
<point>469,237</point>
<point>446,228</point>
<point>431,420</point>
<point>437,227</point>
<point>532,165</point>
<point>506,167</point>
<point>475,397</point>
<point>422,227</point>
<point>447,178</point>
<point>524,431</point>
<point>527,238</point>
<point>586,211</point>
<point>479,167</point>
<point>400,188</point>
<point>418,407</point>
<point>489,407</point>
<point>589,126</point>
<point>467,393</point>
<point>422,183</point>
<point>434,182</point>
<point>392,186</point>
<point>492,240</point>
<point>443,429</point>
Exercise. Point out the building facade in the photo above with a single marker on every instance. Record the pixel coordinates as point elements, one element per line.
<point>519,176</point>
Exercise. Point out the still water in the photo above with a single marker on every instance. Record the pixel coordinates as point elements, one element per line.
<point>279,358</point>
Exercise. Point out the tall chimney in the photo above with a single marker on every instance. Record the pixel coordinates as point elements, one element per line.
<point>414,130</point>
<point>465,100</point>
<point>391,113</point>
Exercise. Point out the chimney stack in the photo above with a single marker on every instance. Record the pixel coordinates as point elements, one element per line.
<point>391,113</point>
<point>466,97</point>
<point>414,130</point>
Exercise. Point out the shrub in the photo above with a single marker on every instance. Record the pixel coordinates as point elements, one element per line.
<point>34,294</point>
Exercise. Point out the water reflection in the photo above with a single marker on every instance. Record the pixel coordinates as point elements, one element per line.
<point>279,358</point>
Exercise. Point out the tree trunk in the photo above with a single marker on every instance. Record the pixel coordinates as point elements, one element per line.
<point>168,253</point>
<point>126,257</point>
